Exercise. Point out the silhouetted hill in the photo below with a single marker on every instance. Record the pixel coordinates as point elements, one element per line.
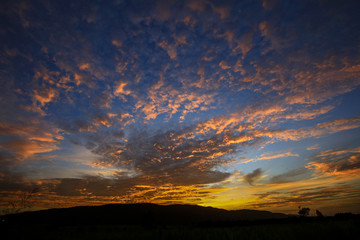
<point>144,214</point>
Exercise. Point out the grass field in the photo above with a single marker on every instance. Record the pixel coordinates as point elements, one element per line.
<point>318,229</point>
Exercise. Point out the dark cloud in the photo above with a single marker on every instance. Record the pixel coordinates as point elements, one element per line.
<point>290,176</point>
<point>252,177</point>
<point>9,180</point>
<point>181,159</point>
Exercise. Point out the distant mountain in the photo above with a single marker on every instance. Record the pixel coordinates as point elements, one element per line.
<point>144,214</point>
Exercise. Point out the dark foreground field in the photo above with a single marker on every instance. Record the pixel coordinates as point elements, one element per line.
<point>328,229</point>
<point>156,223</point>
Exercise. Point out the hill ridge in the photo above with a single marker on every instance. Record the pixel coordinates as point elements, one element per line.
<point>140,213</point>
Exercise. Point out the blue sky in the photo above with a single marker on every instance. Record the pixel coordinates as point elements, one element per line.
<point>231,104</point>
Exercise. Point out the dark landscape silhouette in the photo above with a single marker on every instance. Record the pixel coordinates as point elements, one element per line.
<point>151,221</point>
<point>140,214</point>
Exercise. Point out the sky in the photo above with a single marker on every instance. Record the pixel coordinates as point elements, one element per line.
<point>230,104</point>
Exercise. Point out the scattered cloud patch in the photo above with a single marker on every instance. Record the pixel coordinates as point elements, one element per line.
<point>252,177</point>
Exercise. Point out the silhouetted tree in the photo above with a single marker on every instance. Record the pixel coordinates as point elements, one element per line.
<point>304,211</point>
<point>319,214</point>
<point>23,200</point>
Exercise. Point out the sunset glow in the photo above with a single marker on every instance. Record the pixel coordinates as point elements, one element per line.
<point>231,104</point>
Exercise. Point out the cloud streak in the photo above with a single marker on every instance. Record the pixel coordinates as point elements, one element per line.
<point>338,162</point>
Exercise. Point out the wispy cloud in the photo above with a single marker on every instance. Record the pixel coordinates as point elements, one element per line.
<point>293,175</point>
<point>335,162</point>
<point>267,156</point>
<point>313,147</point>
<point>29,138</point>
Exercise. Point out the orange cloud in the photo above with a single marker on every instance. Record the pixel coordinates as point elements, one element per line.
<point>44,96</point>
<point>30,138</point>
<point>248,128</point>
<point>313,147</point>
<point>27,147</point>
<point>169,48</point>
<point>268,156</point>
<point>263,27</point>
<point>224,65</point>
<point>166,99</point>
<point>84,66</point>
<point>338,80</point>
<point>199,5</point>
<point>54,79</point>
<point>78,78</point>
<point>338,162</point>
<point>306,132</point>
<point>121,91</point>
<point>121,66</point>
<point>116,43</point>
<point>103,120</point>
<point>305,114</point>
<point>335,152</point>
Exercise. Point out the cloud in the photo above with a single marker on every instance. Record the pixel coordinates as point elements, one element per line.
<point>164,98</point>
<point>173,155</point>
<point>170,49</point>
<point>338,162</point>
<point>54,81</point>
<point>252,177</point>
<point>340,81</point>
<point>104,99</point>
<point>29,138</point>
<point>313,147</point>
<point>171,92</point>
<point>117,43</point>
<point>314,197</point>
<point>269,4</point>
<point>163,10</point>
<point>251,122</point>
<point>178,157</point>
<point>41,97</point>
<point>305,114</point>
<point>120,89</point>
<point>268,156</point>
<point>290,176</point>
<point>223,11</point>
<point>84,66</point>
<point>223,65</point>
<point>197,5</point>
<point>102,120</point>
<point>286,191</point>
<point>245,44</point>
<point>121,67</point>
<point>27,148</point>
<point>320,129</point>
<point>229,36</point>
<point>44,96</point>
<point>96,190</point>
<point>337,152</point>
